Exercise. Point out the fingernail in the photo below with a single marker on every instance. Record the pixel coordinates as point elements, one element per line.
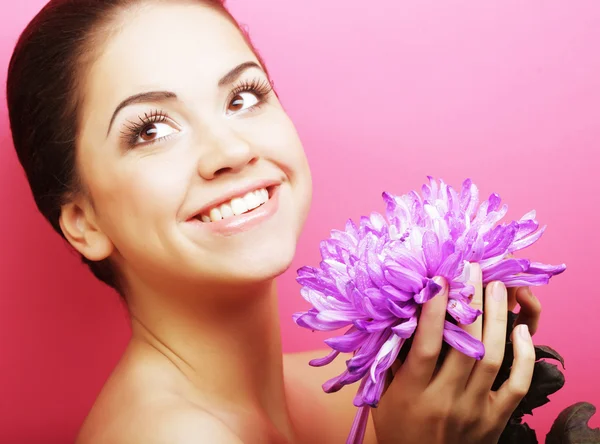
<point>498,291</point>
<point>524,331</point>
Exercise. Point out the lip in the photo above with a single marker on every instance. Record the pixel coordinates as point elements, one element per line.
<point>243,222</point>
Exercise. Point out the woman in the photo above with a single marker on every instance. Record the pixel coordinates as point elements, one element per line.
<point>154,144</point>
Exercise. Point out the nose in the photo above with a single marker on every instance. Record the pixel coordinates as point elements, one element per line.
<point>222,152</point>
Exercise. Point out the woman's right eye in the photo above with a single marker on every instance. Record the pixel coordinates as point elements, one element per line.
<point>149,129</point>
<point>155,131</point>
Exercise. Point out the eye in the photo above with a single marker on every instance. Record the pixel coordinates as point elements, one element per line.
<point>243,101</point>
<point>154,131</point>
<point>150,128</point>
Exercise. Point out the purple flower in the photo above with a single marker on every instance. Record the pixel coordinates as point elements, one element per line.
<point>374,277</point>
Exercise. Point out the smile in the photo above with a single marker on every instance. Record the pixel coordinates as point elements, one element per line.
<point>241,213</point>
<point>236,206</point>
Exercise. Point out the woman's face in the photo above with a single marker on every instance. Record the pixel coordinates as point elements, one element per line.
<point>194,169</point>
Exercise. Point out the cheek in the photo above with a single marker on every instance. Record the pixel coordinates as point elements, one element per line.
<point>280,144</point>
<point>142,196</point>
<point>285,150</point>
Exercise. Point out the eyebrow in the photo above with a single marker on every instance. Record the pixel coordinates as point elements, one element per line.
<point>153,96</point>
<point>236,72</point>
<point>160,96</point>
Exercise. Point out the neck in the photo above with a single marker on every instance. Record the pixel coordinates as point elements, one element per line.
<point>228,346</point>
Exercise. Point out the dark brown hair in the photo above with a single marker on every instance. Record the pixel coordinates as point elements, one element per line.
<point>44,98</point>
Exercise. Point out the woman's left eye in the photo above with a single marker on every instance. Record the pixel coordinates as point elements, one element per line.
<point>243,101</point>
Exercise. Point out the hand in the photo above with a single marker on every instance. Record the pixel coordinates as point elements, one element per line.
<point>455,404</point>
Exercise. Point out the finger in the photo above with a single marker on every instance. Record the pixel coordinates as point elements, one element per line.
<point>494,340</point>
<point>512,298</point>
<point>531,309</point>
<point>389,376</point>
<point>417,370</point>
<point>457,366</point>
<point>517,385</point>
<point>475,279</point>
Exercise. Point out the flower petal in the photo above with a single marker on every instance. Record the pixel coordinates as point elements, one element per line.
<point>400,310</point>
<point>378,312</point>
<point>432,252</point>
<point>450,266</point>
<point>311,321</point>
<point>358,399</point>
<point>502,242</point>
<point>526,280</point>
<point>406,329</point>
<point>374,269</point>
<point>494,202</point>
<point>395,294</point>
<point>386,356</point>
<point>338,382</point>
<point>526,227</point>
<point>463,341</point>
<point>469,197</point>
<point>337,316</point>
<point>373,326</point>
<point>359,426</point>
<point>364,357</point>
<point>348,342</point>
<point>551,270</point>
<point>504,269</point>
<point>430,290</point>
<point>372,391</point>
<point>403,279</point>
<point>319,362</point>
<point>527,240</point>
<point>462,312</point>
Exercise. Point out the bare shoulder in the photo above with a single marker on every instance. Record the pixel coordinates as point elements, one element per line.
<point>186,425</point>
<point>171,423</point>
<point>314,411</point>
<point>144,404</point>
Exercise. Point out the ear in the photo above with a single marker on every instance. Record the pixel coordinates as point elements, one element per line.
<point>79,226</point>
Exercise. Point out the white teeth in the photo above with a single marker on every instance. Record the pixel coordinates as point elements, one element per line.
<point>263,195</point>
<point>226,211</point>
<point>215,215</point>
<point>238,206</point>
<point>251,200</point>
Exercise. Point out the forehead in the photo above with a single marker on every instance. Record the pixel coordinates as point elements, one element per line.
<point>183,47</point>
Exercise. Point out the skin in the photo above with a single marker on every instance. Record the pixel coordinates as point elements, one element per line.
<point>204,363</point>
<point>454,403</point>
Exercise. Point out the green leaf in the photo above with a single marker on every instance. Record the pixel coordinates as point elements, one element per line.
<point>571,426</point>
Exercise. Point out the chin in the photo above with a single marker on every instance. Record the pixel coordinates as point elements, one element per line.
<point>252,261</point>
<point>264,263</point>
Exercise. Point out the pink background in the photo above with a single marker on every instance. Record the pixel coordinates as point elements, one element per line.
<point>505,92</point>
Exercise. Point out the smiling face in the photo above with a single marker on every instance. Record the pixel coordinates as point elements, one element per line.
<point>194,172</point>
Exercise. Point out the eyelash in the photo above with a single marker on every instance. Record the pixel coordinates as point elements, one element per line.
<point>133,130</point>
<point>261,88</point>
